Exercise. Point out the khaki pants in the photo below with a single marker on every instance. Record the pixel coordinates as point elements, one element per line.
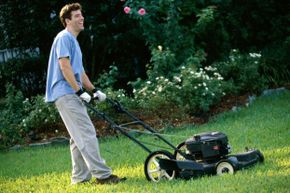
<point>84,145</point>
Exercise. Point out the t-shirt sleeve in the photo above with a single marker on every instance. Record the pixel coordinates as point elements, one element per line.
<point>62,47</point>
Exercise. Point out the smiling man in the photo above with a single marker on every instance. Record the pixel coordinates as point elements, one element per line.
<point>65,87</point>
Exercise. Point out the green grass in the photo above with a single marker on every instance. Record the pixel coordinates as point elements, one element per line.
<point>264,125</point>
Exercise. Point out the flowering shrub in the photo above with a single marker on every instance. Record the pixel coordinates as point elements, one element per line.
<point>38,114</point>
<point>172,25</point>
<point>243,71</point>
<point>193,90</point>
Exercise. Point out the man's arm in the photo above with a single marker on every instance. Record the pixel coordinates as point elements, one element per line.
<point>87,84</point>
<point>68,74</point>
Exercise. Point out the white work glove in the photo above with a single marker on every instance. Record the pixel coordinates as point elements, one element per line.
<point>84,95</point>
<point>99,95</point>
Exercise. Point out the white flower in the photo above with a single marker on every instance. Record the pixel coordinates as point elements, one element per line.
<point>160,48</point>
<point>148,82</point>
<point>206,88</point>
<point>23,120</point>
<point>210,68</point>
<point>153,93</point>
<point>255,55</point>
<point>160,89</point>
<point>182,67</point>
<point>39,110</point>
<point>134,90</point>
<point>204,84</point>
<point>195,87</point>
<point>212,94</point>
<point>143,89</point>
<point>177,78</point>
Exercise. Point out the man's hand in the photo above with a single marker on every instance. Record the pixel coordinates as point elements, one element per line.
<point>84,95</point>
<point>99,95</point>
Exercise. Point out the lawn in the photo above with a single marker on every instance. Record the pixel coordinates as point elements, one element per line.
<point>264,125</point>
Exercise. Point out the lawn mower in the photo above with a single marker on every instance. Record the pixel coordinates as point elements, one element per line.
<point>202,154</point>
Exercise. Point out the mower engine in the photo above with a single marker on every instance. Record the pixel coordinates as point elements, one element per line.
<point>207,147</point>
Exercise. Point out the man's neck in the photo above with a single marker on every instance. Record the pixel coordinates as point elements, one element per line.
<point>74,33</point>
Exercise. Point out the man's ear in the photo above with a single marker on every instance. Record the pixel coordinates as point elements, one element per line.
<point>67,21</point>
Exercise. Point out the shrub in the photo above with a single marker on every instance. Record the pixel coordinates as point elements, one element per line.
<point>190,89</point>
<point>108,79</point>
<point>11,117</point>
<point>275,63</point>
<point>26,74</point>
<point>39,114</point>
<point>172,25</point>
<point>20,116</point>
<point>243,71</point>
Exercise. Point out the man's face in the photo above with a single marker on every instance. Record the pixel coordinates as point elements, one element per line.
<point>76,22</point>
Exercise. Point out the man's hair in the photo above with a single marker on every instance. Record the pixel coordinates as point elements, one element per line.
<point>65,12</point>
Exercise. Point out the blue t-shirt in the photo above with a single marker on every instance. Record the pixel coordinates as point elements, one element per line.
<point>64,45</point>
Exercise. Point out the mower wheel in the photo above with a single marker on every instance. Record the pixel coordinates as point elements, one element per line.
<point>183,149</point>
<point>152,169</point>
<point>224,167</point>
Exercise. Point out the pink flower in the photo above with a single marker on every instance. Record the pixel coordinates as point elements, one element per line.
<point>142,11</point>
<point>127,9</point>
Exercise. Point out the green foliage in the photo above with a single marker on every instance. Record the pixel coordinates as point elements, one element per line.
<point>39,114</point>
<point>11,117</point>
<point>162,63</point>
<point>182,27</point>
<point>190,89</point>
<point>28,32</point>
<point>108,79</point>
<point>275,64</point>
<point>26,74</point>
<point>243,71</point>
<point>20,116</point>
<point>166,24</point>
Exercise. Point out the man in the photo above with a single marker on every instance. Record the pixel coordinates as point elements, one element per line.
<point>66,79</point>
